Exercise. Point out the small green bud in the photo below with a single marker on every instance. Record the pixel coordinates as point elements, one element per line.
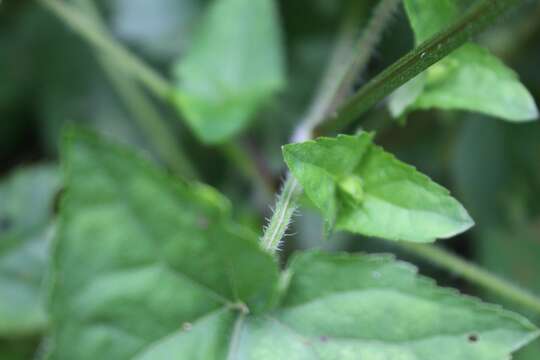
<point>351,187</point>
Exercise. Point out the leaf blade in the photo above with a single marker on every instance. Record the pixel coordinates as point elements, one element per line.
<point>177,260</point>
<point>398,203</point>
<point>234,67</point>
<point>378,324</point>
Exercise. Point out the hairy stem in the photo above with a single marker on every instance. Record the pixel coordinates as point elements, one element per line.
<point>480,16</point>
<point>285,207</point>
<point>141,108</point>
<point>474,274</point>
<point>287,199</point>
<point>102,40</point>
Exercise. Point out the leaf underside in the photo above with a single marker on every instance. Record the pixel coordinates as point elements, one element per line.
<point>176,279</point>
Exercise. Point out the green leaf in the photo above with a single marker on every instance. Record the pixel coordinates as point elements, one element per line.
<point>372,307</point>
<point>387,198</point>
<point>468,79</point>
<point>234,66</point>
<point>140,256</point>
<point>357,307</point>
<point>26,199</point>
<point>146,267</point>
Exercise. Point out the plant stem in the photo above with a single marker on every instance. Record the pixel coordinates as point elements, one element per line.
<point>474,274</point>
<point>102,40</point>
<point>335,71</point>
<point>287,199</point>
<point>141,108</point>
<point>285,207</point>
<point>346,65</point>
<point>480,16</point>
<point>370,38</point>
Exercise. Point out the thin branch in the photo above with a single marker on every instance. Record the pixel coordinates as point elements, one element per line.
<point>480,16</point>
<point>474,274</point>
<point>335,71</point>
<point>349,60</point>
<point>365,47</point>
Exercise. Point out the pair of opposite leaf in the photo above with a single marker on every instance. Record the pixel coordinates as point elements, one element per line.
<point>179,280</point>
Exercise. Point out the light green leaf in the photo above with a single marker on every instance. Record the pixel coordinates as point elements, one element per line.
<point>468,79</point>
<point>148,268</point>
<point>355,307</point>
<point>26,202</point>
<point>363,189</point>
<point>140,256</point>
<point>372,307</point>
<point>234,66</point>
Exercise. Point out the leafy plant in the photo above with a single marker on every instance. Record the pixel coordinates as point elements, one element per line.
<point>147,264</point>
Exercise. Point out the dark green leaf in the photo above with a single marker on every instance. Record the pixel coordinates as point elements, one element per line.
<point>140,256</point>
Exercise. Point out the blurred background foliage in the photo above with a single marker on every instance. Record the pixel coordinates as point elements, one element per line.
<point>49,77</point>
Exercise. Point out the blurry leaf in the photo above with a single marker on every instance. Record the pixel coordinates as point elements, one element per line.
<point>363,189</point>
<point>160,27</point>
<point>234,66</point>
<point>503,200</point>
<point>514,254</point>
<point>140,254</point>
<point>494,165</point>
<point>26,200</point>
<point>74,91</point>
<point>468,79</point>
<point>481,169</point>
